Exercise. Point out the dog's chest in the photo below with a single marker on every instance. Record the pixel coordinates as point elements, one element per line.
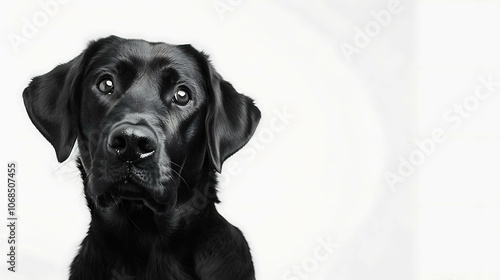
<point>160,266</point>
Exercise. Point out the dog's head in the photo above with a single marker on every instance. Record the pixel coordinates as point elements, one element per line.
<point>151,119</point>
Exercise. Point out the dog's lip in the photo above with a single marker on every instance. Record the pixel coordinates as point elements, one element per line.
<point>130,191</point>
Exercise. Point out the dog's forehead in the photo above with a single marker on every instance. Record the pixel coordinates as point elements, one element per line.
<point>147,52</point>
<point>146,55</point>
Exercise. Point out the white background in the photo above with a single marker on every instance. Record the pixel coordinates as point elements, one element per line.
<point>320,175</point>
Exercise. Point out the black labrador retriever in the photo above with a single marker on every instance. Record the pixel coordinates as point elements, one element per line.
<point>153,122</point>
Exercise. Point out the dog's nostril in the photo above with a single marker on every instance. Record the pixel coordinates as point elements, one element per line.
<point>118,142</point>
<point>146,145</point>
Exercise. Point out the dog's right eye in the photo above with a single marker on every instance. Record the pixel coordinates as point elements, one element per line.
<point>105,86</point>
<point>181,97</point>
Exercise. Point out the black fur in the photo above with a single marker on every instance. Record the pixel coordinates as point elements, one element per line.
<point>153,213</point>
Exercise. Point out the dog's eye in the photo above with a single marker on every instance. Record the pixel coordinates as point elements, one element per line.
<point>105,86</point>
<point>181,97</point>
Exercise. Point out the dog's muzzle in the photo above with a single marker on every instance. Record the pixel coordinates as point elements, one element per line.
<point>130,151</point>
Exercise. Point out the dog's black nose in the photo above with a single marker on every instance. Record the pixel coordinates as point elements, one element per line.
<point>132,142</point>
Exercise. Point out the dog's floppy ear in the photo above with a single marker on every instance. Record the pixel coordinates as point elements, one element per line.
<point>52,100</point>
<point>231,116</point>
<point>231,119</point>
<point>49,100</point>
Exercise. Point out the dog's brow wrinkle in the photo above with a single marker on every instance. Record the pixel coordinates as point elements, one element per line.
<point>159,62</point>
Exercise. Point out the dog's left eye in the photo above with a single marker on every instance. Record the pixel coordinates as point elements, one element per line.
<point>105,86</point>
<point>181,97</point>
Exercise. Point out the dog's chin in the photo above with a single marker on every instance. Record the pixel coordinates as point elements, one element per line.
<point>131,197</point>
<point>138,205</point>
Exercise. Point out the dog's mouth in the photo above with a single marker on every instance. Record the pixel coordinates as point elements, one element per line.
<point>131,196</point>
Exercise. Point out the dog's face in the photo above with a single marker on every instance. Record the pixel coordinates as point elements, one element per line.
<point>151,120</point>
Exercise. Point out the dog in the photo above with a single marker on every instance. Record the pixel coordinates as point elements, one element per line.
<point>153,123</point>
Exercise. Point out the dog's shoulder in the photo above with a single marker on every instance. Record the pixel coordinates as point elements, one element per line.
<point>222,251</point>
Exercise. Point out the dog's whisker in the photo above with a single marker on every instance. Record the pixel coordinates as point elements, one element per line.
<point>178,173</point>
<point>114,199</point>
<point>88,174</point>
<point>176,165</point>
<point>63,164</point>
<point>187,185</point>
<point>126,213</point>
